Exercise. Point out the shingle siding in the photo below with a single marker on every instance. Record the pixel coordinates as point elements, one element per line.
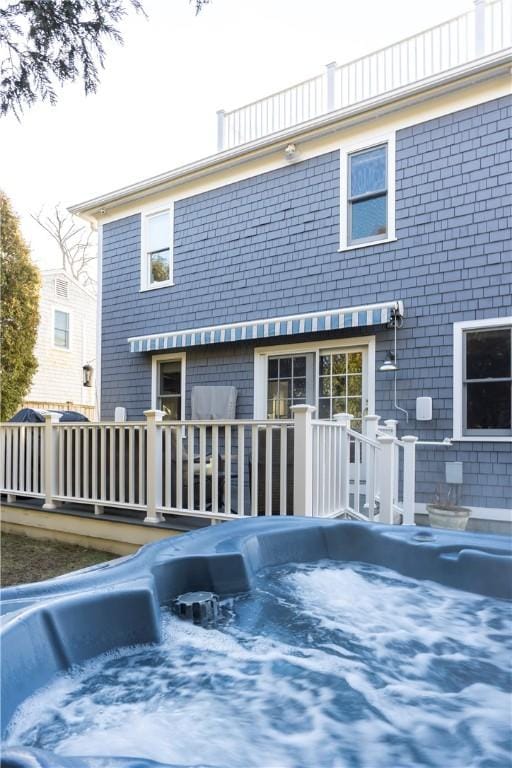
<point>268,246</point>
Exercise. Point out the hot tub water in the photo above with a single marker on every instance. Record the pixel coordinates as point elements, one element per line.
<point>320,666</point>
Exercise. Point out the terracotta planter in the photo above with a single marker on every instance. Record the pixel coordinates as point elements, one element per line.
<point>455,518</point>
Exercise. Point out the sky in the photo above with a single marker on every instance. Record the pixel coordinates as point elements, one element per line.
<point>155,108</point>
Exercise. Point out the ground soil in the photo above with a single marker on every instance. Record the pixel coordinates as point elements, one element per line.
<point>25,560</point>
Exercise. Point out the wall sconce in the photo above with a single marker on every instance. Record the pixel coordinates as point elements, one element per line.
<point>87,371</point>
<point>389,363</point>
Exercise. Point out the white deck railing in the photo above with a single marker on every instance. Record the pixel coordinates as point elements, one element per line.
<point>214,469</point>
<point>484,30</point>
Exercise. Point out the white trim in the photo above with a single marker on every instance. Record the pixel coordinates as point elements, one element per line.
<point>155,360</point>
<point>479,513</point>
<point>486,80</point>
<point>261,354</point>
<point>359,145</point>
<point>145,284</point>
<point>66,311</point>
<point>368,244</point>
<point>98,320</point>
<point>458,331</point>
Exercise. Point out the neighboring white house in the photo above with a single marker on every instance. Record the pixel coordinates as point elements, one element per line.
<point>66,342</point>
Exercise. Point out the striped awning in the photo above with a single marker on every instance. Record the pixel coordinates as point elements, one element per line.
<point>252,330</point>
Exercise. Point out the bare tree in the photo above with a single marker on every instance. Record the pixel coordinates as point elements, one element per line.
<point>76,243</point>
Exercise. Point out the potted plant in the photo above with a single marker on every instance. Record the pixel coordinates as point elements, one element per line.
<point>445,511</point>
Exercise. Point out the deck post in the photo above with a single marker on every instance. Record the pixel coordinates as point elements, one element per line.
<point>220,129</point>
<point>303,460</point>
<point>153,467</point>
<point>479,27</point>
<point>409,442</point>
<point>50,460</point>
<point>330,73</point>
<point>386,478</point>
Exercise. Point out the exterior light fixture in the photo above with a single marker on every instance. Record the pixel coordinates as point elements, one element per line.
<point>291,152</point>
<point>389,363</point>
<point>87,371</point>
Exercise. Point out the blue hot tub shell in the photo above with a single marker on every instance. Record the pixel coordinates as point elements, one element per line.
<point>50,626</point>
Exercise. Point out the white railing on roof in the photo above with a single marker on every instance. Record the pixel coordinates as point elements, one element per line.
<point>219,470</point>
<point>484,30</point>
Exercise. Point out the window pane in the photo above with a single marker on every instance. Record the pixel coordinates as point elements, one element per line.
<point>355,384</point>
<point>171,406</point>
<point>368,218</point>
<point>61,320</point>
<point>354,406</point>
<point>299,389</point>
<point>61,338</point>
<point>285,367</point>
<point>339,386</point>
<point>170,378</point>
<point>488,354</point>
<point>325,364</point>
<point>299,366</point>
<point>368,172</point>
<point>355,362</point>
<point>159,264</point>
<point>272,368</point>
<point>488,405</point>
<point>158,234</point>
<point>339,405</point>
<point>324,408</point>
<point>325,385</point>
<point>339,363</point>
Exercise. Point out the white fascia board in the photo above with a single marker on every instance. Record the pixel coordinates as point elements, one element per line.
<point>469,74</point>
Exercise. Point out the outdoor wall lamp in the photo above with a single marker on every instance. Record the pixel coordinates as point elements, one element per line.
<point>291,153</point>
<point>389,363</point>
<point>87,371</point>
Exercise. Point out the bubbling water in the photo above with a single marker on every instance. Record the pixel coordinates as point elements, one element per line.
<point>320,666</point>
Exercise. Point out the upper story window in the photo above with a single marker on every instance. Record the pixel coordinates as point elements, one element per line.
<point>157,250</point>
<point>367,195</point>
<point>61,329</point>
<point>483,379</point>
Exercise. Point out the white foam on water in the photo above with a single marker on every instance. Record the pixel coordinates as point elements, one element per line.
<point>322,666</point>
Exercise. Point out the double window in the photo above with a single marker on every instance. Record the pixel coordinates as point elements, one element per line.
<point>61,329</point>
<point>367,194</point>
<point>483,379</point>
<point>156,250</point>
<point>334,380</point>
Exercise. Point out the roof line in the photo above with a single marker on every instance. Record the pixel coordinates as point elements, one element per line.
<point>263,145</point>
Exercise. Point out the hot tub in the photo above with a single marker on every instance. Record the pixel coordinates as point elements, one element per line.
<point>336,643</point>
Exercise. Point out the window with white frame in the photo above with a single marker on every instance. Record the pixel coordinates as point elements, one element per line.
<point>367,194</point>
<point>341,385</point>
<point>333,379</point>
<point>157,252</point>
<point>290,382</point>
<point>169,388</point>
<point>483,379</point>
<point>61,329</point>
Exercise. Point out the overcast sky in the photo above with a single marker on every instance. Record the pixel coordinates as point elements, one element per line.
<point>155,107</point>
